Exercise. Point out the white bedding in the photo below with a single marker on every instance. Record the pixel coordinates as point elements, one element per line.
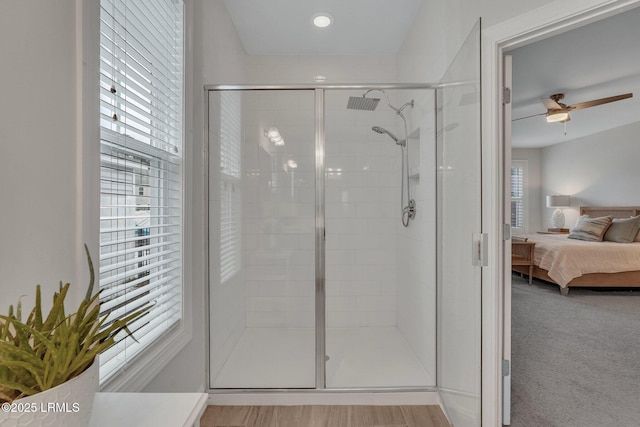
<point>566,259</point>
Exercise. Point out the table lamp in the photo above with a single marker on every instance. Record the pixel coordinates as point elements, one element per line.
<point>557,201</point>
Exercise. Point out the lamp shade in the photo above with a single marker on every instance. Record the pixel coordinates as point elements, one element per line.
<point>557,201</point>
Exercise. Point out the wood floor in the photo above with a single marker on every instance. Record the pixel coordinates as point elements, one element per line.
<point>324,416</point>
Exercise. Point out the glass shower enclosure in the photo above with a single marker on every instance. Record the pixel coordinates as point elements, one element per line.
<point>345,237</point>
<point>317,278</point>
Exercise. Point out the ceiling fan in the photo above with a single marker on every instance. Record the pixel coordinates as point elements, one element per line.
<point>557,112</point>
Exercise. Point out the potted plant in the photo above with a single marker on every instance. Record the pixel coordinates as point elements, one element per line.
<point>45,360</point>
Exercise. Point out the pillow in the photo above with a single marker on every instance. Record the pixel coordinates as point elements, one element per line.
<point>590,229</point>
<point>623,230</point>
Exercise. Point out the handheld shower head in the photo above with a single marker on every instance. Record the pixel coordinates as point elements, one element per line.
<point>382,131</point>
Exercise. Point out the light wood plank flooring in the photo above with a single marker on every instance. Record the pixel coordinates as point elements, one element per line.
<point>324,416</point>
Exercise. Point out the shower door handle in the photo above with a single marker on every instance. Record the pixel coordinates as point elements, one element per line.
<point>480,245</point>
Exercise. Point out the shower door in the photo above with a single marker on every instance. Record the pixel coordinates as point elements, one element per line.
<point>459,242</point>
<point>380,279</point>
<point>314,281</point>
<point>262,235</point>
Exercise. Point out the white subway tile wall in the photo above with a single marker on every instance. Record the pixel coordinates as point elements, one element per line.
<point>363,214</point>
<point>416,284</point>
<point>279,209</point>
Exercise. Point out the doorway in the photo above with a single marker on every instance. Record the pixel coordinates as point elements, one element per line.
<point>510,41</point>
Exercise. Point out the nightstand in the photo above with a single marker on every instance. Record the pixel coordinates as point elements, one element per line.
<point>555,231</point>
<point>522,256</point>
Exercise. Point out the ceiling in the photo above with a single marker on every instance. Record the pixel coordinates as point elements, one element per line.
<point>284,27</point>
<point>596,61</point>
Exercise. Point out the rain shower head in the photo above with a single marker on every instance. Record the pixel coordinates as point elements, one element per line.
<point>362,103</point>
<point>381,131</point>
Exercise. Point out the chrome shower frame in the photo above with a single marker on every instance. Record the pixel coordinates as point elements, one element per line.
<point>320,226</point>
<point>408,211</point>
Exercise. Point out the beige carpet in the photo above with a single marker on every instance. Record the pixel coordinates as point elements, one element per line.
<point>575,359</point>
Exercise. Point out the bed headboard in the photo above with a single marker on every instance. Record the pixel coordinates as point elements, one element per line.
<point>613,211</point>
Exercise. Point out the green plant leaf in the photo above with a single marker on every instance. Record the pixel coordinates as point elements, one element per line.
<point>24,390</point>
<point>92,275</point>
<point>43,352</point>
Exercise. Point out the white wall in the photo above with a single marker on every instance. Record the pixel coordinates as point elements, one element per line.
<point>40,232</point>
<point>598,170</point>
<point>595,171</point>
<point>289,69</point>
<point>440,28</point>
<point>535,199</point>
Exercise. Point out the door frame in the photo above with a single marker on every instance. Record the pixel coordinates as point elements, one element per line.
<point>546,21</point>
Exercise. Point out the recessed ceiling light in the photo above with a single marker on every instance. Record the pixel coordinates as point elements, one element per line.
<point>322,19</point>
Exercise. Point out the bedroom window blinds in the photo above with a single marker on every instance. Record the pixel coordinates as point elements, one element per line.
<point>518,199</point>
<point>141,134</point>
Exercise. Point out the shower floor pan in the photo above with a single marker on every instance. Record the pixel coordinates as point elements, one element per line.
<point>358,358</point>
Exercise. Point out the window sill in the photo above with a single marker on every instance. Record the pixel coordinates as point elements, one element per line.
<point>144,368</point>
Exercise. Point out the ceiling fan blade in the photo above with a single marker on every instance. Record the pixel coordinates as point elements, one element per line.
<point>550,104</point>
<point>528,117</point>
<point>587,104</point>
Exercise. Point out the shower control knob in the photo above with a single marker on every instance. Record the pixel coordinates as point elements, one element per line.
<point>411,209</point>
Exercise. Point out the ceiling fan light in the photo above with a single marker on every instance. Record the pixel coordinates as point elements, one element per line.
<point>557,116</point>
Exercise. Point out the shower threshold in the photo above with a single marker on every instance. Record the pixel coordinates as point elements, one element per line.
<point>359,358</point>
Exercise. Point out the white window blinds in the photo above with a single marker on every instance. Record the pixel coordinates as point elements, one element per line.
<point>518,185</point>
<point>141,109</point>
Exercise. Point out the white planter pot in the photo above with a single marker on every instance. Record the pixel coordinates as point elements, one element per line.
<point>67,405</point>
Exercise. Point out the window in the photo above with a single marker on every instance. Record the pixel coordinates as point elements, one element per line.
<point>518,194</point>
<point>141,113</point>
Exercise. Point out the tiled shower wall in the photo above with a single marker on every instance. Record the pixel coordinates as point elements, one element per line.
<point>362,199</point>
<point>278,209</point>
<point>417,244</point>
<point>227,297</point>
<point>378,273</point>
<point>362,209</point>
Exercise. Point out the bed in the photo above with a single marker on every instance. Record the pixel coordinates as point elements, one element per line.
<point>575,263</point>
